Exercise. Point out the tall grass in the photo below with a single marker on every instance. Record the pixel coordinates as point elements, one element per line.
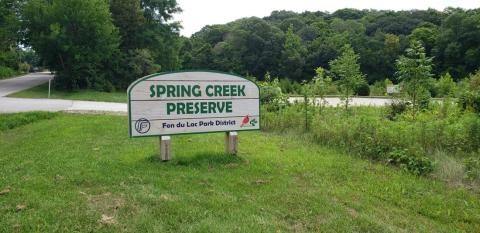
<point>369,133</point>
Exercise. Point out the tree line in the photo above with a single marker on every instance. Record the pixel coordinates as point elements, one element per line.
<point>97,44</point>
<point>292,45</point>
<point>106,44</point>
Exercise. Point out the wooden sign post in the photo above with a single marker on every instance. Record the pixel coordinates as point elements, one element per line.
<point>192,102</point>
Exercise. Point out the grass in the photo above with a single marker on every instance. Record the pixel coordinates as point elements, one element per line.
<point>10,121</point>
<point>82,173</point>
<point>89,95</point>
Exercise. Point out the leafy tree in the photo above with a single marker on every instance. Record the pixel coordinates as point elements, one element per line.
<point>74,37</point>
<point>128,17</point>
<point>446,86</point>
<point>9,35</point>
<point>414,70</point>
<point>292,56</point>
<point>457,48</point>
<point>347,71</point>
<point>321,84</point>
<point>426,33</point>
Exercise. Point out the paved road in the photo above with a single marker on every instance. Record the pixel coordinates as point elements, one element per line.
<point>8,105</point>
<point>9,86</point>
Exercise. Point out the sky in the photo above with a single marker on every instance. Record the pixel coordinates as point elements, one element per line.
<point>199,13</point>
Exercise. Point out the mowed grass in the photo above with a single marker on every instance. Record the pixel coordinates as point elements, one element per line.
<point>40,92</point>
<point>62,174</point>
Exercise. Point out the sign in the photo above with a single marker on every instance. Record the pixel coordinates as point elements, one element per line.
<point>192,102</point>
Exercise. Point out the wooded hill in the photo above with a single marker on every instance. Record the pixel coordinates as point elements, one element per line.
<point>291,45</point>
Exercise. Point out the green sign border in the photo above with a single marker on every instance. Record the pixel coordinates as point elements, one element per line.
<point>184,71</point>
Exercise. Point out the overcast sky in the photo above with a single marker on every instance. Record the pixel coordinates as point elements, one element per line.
<point>199,13</point>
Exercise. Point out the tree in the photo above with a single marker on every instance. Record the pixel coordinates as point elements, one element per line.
<point>414,71</point>
<point>292,56</point>
<point>347,71</point>
<point>321,84</point>
<point>128,17</point>
<point>9,34</point>
<point>446,86</point>
<point>76,38</point>
<point>457,48</point>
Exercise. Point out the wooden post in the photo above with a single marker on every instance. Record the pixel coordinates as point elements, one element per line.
<point>231,143</point>
<point>165,150</point>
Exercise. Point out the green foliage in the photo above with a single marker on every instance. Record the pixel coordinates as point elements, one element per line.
<point>396,108</point>
<point>412,163</point>
<point>23,67</point>
<point>9,25</point>
<point>6,72</point>
<point>76,38</point>
<point>379,88</point>
<point>458,47</point>
<point>414,72</point>
<point>292,56</point>
<point>347,72</point>
<point>472,168</point>
<point>271,94</point>
<point>10,121</point>
<point>368,133</point>
<point>445,86</point>
<point>254,46</point>
<point>320,85</point>
<point>469,96</point>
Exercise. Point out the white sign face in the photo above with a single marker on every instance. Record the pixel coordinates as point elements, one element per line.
<point>192,102</point>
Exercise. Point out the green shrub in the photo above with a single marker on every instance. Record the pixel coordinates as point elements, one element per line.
<point>410,162</point>
<point>363,89</point>
<point>379,88</point>
<point>23,68</point>
<point>472,169</point>
<point>395,108</point>
<point>6,72</point>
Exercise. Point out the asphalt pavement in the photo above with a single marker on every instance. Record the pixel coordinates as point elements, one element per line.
<point>11,105</point>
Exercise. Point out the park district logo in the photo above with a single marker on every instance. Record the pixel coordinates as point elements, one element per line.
<point>142,125</point>
<point>248,122</point>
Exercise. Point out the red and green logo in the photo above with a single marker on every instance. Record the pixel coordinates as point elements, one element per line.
<point>248,122</point>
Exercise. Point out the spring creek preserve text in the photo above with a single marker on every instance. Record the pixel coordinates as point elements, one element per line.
<point>192,102</point>
<point>182,108</point>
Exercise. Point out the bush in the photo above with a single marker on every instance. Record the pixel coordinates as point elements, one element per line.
<point>363,89</point>
<point>379,88</point>
<point>472,169</point>
<point>23,68</point>
<point>396,108</point>
<point>469,95</point>
<point>6,72</point>
<point>410,162</point>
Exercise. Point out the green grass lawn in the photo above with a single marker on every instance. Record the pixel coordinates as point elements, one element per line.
<point>90,95</point>
<point>63,173</point>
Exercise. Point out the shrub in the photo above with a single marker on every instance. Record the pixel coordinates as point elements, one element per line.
<point>396,108</point>
<point>23,68</point>
<point>363,89</point>
<point>469,95</point>
<point>6,72</point>
<point>417,165</point>
<point>379,88</point>
<point>472,168</point>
